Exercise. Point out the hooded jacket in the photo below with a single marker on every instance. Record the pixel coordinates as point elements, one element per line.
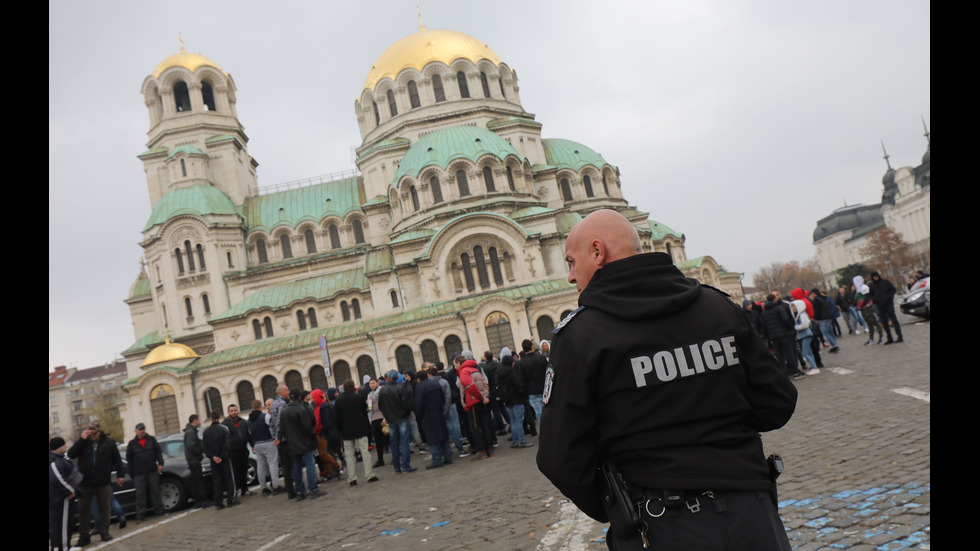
<point>778,320</point>
<point>882,290</point>
<point>473,385</point>
<point>664,377</point>
<point>802,320</point>
<point>258,426</point>
<point>193,452</point>
<point>800,294</point>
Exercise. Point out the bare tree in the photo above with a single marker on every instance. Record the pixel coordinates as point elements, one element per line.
<point>106,410</point>
<point>887,253</point>
<point>784,277</point>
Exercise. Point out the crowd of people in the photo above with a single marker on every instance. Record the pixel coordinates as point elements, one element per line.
<point>469,406</point>
<point>798,328</point>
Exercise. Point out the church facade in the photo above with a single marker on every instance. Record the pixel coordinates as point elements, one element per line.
<point>449,236</point>
<point>905,208</point>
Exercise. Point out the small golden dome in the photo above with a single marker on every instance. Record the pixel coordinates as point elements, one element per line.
<point>184,59</point>
<point>418,50</point>
<point>169,352</point>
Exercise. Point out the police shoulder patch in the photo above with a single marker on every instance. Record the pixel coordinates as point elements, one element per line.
<point>567,319</point>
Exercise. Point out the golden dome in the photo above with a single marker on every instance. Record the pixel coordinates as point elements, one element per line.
<point>417,50</point>
<point>184,59</point>
<point>168,352</point>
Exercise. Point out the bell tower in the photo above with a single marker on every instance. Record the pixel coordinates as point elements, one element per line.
<point>195,137</point>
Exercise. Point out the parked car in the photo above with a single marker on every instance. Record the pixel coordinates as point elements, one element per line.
<point>916,301</point>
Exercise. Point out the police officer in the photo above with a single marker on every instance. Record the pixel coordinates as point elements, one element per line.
<point>665,379</point>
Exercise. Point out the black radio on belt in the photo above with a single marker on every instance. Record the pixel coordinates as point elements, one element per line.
<point>775,466</point>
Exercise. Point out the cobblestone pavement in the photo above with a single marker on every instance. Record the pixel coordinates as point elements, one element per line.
<point>857,477</point>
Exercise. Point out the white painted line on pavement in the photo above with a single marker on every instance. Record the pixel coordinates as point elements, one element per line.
<point>921,395</point>
<point>570,533</point>
<point>117,539</point>
<point>273,542</point>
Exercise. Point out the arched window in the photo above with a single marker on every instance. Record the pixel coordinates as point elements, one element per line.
<point>464,186</point>
<point>566,189</point>
<point>377,116</point>
<point>207,304</point>
<point>341,372</point>
<point>344,310</point>
<point>467,273</point>
<point>311,316</point>
<point>392,108</point>
<point>257,327</point>
<point>510,178</point>
<point>436,189</point>
<point>481,267</point>
<point>394,299</point>
<point>588,187</point>
<point>318,378</point>
<point>269,384</point>
<point>182,97</point>
<point>187,305</point>
<point>212,401</point>
<point>200,256</point>
<point>669,253</point>
<point>488,179</point>
<point>464,88</point>
<point>404,359</point>
<point>287,250</point>
<point>485,84</point>
<point>334,236</point>
<point>183,168</point>
<point>260,250</point>
<point>294,380</point>
<point>207,94</point>
<point>453,347</point>
<point>268,326</point>
<point>430,351</point>
<point>413,94</point>
<point>358,231</point>
<point>498,276</point>
<point>310,241</point>
<point>246,393</point>
<point>365,366</point>
<point>415,198</point>
<point>605,186</point>
<point>230,264</point>
<point>437,88</point>
<point>190,255</point>
<point>356,307</point>
<point>545,325</point>
<point>301,319</point>
<point>180,261</point>
<point>501,82</point>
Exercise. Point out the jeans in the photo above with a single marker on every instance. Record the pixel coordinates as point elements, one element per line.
<point>516,413</point>
<point>267,463</point>
<point>400,435</point>
<point>300,461</point>
<point>537,402</point>
<point>857,318</point>
<point>807,351</point>
<point>452,425</point>
<point>827,328</point>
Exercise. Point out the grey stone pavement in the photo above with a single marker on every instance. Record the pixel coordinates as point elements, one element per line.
<point>857,455</point>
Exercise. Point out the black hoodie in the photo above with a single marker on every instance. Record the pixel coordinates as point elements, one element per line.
<point>666,378</point>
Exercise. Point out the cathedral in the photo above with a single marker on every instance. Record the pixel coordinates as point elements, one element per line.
<point>448,236</point>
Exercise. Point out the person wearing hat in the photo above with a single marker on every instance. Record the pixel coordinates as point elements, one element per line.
<point>97,456</point>
<point>144,459</point>
<point>61,490</point>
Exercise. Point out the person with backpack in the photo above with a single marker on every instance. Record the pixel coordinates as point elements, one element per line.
<point>513,394</point>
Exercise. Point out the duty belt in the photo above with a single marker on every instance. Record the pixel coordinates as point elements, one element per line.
<point>656,502</point>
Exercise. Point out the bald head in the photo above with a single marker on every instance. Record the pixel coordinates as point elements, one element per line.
<point>601,237</point>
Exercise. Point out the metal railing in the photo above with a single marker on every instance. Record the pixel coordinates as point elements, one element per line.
<point>295,184</point>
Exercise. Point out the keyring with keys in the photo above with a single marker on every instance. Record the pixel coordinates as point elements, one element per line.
<point>663,507</point>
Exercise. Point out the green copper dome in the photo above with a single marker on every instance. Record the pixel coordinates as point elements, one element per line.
<point>444,146</point>
<point>200,200</point>
<point>569,154</point>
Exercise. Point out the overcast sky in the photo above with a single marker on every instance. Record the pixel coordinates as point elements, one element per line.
<point>739,124</point>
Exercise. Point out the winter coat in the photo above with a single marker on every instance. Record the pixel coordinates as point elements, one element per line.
<point>778,320</point>
<point>97,469</point>
<point>193,452</point>
<point>297,425</point>
<point>143,458</point>
<point>258,426</point>
<point>429,410</point>
<point>352,416</point>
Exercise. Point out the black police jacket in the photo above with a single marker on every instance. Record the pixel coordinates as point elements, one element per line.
<point>666,378</point>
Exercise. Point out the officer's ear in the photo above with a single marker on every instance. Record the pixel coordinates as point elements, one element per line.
<point>598,252</point>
